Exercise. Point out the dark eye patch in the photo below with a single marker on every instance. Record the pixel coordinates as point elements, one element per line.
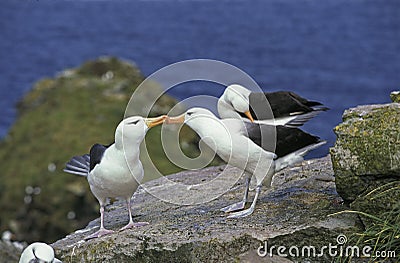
<point>133,122</point>
<point>36,259</point>
<point>189,113</point>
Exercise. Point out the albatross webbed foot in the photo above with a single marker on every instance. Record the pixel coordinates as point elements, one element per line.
<point>242,213</point>
<point>132,225</point>
<point>233,207</point>
<point>249,210</point>
<point>100,233</point>
<point>239,205</point>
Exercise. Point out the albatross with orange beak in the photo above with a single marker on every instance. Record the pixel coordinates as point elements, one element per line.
<point>272,108</point>
<point>259,150</point>
<point>115,170</point>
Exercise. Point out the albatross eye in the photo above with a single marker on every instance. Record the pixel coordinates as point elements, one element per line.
<point>189,113</point>
<point>133,122</point>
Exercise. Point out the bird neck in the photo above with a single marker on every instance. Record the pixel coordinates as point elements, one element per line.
<point>226,110</point>
<point>208,126</point>
<point>129,144</point>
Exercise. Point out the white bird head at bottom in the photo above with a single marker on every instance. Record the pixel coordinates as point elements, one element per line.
<point>38,253</point>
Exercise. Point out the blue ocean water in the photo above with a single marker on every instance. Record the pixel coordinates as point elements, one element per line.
<point>340,52</point>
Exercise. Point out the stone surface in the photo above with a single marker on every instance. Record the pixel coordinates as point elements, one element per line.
<point>9,252</point>
<point>297,211</point>
<point>395,96</point>
<point>366,159</point>
<point>366,154</point>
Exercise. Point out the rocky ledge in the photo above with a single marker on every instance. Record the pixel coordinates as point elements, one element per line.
<point>297,211</point>
<point>366,157</point>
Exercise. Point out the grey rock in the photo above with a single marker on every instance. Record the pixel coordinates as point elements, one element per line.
<point>297,211</point>
<point>395,96</point>
<point>9,251</point>
<point>366,158</point>
<point>366,154</point>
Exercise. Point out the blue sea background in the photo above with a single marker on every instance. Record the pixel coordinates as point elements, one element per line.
<point>340,52</point>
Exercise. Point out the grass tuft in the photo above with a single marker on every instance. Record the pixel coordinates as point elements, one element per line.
<point>382,234</point>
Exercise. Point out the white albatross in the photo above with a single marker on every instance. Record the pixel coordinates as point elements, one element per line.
<point>38,252</point>
<point>107,169</point>
<point>272,108</point>
<point>249,147</point>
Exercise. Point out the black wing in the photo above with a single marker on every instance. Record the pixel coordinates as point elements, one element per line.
<point>96,153</point>
<point>282,103</point>
<point>280,140</point>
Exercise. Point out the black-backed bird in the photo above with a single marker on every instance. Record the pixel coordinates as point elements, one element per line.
<point>259,150</point>
<point>115,170</point>
<point>273,108</point>
<point>38,252</point>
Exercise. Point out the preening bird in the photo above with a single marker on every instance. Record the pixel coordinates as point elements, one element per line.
<point>273,108</point>
<point>38,253</point>
<point>259,150</point>
<point>115,170</point>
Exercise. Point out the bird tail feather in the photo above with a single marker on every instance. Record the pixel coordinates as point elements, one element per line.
<point>300,119</point>
<point>78,165</point>
<point>296,157</point>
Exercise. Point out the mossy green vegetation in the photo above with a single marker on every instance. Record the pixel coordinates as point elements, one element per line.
<point>395,96</point>
<point>59,118</point>
<point>382,199</point>
<point>382,236</point>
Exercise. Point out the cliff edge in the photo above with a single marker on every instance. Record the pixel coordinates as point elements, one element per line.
<point>296,211</point>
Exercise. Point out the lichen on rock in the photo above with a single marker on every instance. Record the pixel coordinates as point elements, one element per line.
<point>395,96</point>
<point>366,156</point>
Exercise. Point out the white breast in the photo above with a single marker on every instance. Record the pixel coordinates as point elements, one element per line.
<point>114,176</point>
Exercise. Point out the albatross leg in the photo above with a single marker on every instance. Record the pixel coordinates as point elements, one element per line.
<point>102,231</point>
<point>250,210</point>
<point>240,205</point>
<point>131,224</point>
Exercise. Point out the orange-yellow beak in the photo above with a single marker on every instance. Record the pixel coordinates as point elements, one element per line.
<point>177,119</point>
<point>248,115</point>
<point>152,122</point>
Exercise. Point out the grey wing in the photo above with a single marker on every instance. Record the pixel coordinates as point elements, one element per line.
<point>78,165</point>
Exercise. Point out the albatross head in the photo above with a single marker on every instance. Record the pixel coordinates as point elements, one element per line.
<point>135,128</point>
<point>201,120</point>
<point>192,115</point>
<point>237,97</point>
<point>38,252</point>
